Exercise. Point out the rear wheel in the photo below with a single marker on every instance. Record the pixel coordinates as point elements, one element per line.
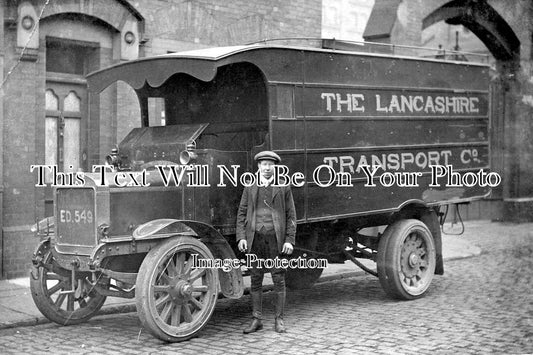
<point>406,259</point>
<point>174,299</point>
<point>48,289</point>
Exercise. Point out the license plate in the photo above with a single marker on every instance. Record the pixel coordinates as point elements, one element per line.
<point>75,216</point>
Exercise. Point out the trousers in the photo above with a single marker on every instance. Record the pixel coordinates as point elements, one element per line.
<point>265,246</point>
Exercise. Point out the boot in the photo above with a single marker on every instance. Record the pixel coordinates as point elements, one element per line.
<point>257,306</point>
<point>280,305</point>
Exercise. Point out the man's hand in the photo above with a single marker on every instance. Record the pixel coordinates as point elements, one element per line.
<point>287,248</point>
<point>243,245</point>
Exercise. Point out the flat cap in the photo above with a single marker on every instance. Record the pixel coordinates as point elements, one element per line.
<point>267,155</point>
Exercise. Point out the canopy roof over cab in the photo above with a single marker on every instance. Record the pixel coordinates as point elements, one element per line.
<point>278,63</point>
<point>201,64</point>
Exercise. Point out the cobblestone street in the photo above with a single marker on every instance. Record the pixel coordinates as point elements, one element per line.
<point>481,304</point>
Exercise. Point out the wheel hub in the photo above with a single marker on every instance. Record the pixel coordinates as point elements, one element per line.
<point>410,258</point>
<point>186,289</point>
<point>413,260</point>
<point>180,289</point>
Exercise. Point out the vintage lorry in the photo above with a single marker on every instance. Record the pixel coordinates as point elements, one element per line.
<point>378,138</point>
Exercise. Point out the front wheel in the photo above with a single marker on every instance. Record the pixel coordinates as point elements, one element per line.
<point>49,290</point>
<point>406,259</point>
<point>174,298</point>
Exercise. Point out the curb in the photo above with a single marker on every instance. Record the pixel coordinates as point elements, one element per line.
<point>111,309</point>
<point>25,323</point>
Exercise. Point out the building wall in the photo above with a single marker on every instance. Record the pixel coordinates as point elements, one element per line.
<point>519,14</point>
<point>180,25</point>
<point>2,55</point>
<point>171,25</point>
<point>345,19</point>
<point>22,98</point>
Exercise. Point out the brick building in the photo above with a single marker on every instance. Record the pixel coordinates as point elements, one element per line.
<point>43,105</point>
<point>44,58</point>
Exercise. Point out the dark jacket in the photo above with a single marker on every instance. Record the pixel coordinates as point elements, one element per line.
<point>283,215</point>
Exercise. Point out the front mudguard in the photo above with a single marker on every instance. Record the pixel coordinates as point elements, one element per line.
<point>231,282</point>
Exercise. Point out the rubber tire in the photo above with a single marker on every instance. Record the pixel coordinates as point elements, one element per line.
<point>145,297</point>
<point>300,279</point>
<point>45,304</point>
<point>389,258</point>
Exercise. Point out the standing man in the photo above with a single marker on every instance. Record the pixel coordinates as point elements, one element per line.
<point>266,227</point>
